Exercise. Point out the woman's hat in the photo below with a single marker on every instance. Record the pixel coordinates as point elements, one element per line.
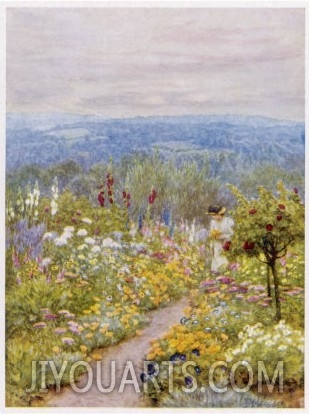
<point>216,210</point>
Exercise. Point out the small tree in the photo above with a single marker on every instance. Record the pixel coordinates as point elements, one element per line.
<point>266,227</point>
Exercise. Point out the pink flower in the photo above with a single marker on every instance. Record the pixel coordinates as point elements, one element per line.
<point>39,325</point>
<point>234,266</point>
<point>253,299</point>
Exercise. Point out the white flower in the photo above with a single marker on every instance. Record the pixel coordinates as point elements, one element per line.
<point>82,247</point>
<point>119,287</point>
<point>95,249</point>
<point>69,229</point>
<point>81,257</point>
<point>108,242</point>
<point>66,235</point>
<point>89,240</point>
<point>45,262</point>
<point>282,348</point>
<point>54,207</point>
<point>48,236</point>
<point>86,220</point>
<point>82,232</point>
<point>60,241</point>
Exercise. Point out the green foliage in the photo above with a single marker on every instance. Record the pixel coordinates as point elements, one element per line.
<point>269,224</point>
<point>270,345</point>
<point>176,186</point>
<point>266,228</point>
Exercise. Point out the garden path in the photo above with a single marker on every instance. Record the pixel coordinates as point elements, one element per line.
<point>134,350</point>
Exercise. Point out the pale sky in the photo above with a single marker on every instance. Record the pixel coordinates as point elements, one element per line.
<point>125,62</point>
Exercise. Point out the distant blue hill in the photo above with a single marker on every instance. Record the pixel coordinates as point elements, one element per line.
<point>46,139</point>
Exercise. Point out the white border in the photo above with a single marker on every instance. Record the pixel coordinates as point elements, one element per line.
<point>134,4</point>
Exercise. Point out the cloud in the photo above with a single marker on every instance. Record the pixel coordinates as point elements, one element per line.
<point>135,61</point>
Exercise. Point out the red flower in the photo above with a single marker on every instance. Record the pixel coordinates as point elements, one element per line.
<point>124,194</point>
<point>279,218</point>
<point>269,227</point>
<point>73,219</point>
<point>128,205</point>
<point>128,196</point>
<point>281,206</point>
<point>248,245</point>
<point>110,193</point>
<point>295,190</point>
<point>111,200</point>
<point>46,209</point>
<point>252,211</point>
<point>110,182</point>
<point>151,199</point>
<point>227,245</point>
<point>101,199</point>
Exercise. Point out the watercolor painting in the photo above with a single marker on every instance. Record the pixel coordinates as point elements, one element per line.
<point>155,179</point>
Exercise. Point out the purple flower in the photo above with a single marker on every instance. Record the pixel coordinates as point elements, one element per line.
<point>233,289</point>
<point>234,266</point>
<point>225,280</point>
<point>50,316</point>
<point>39,325</point>
<point>60,330</point>
<point>29,239</point>
<point>259,288</point>
<point>253,299</point>
<point>68,341</point>
<point>208,282</point>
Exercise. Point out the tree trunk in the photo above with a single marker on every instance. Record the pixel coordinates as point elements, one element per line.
<point>268,282</point>
<point>276,285</point>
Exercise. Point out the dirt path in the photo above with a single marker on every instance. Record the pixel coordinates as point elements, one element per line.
<point>129,350</point>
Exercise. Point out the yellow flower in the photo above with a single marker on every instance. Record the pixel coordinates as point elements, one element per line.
<point>187,311</point>
<point>81,329</point>
<point>109,334</point>
<point>224,337</point>
<point>94,326</point>
<point>151,356</point>
<point>56,349</point>
<point>86,324</point>
<point>83,348</point>
<point>87,312</point>
<point>88,359</point>
<point>135,322</point>
<point>96,299</point>
<point>89,335</point>
<point>213,349</point>
<point>96,357</point>
<point>139,332</point>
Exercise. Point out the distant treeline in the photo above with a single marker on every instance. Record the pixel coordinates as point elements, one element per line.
<point>184,187</point>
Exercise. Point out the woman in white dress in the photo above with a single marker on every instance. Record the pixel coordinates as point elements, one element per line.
<point>221,230</point>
